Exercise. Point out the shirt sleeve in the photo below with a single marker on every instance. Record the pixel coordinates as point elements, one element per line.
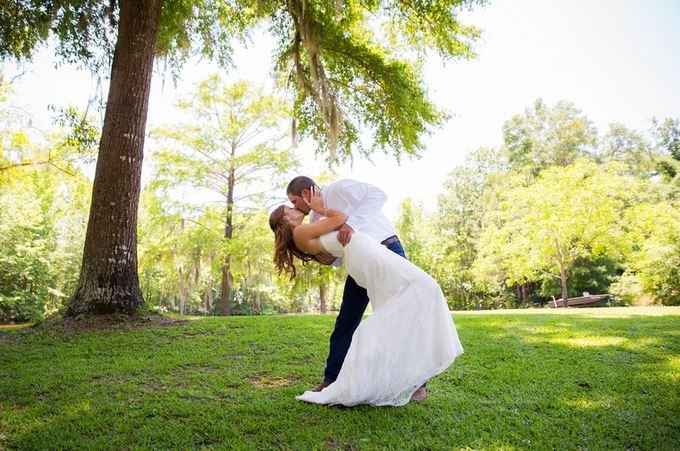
<point>357,200</point>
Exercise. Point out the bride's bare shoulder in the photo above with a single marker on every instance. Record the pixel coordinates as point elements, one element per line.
<point>305,240</point>
<point>301,231</point>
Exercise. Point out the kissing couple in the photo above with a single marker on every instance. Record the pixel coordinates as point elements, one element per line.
<point>386,359</point>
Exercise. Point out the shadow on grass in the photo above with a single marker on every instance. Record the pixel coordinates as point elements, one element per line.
<point>543,382</point>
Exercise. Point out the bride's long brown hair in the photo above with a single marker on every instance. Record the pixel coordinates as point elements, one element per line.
<point>284,246</point>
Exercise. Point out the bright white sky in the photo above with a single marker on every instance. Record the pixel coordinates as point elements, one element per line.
<point>617,60</point>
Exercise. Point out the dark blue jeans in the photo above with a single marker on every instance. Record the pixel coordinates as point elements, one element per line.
<point>354,302</point>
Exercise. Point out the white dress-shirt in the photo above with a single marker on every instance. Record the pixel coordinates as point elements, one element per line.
<point>362,203</point>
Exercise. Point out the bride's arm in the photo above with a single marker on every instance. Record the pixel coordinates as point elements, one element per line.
<point>306,235</point>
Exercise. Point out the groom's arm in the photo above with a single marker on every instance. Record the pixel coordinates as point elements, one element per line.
<point>358,200</point>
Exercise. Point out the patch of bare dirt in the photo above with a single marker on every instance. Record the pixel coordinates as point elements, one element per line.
<point>85,323</point>
<point>333,444</point>
<point>270,381</point>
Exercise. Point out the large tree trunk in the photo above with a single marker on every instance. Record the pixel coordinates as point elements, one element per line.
<point>223,307</point>
<point>108,277</point>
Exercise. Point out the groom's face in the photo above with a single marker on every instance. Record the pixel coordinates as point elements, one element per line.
<point>299,202</point>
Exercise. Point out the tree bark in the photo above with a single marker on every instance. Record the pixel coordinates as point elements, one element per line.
<point>109,281</point>
<point>524,289</point>
<point>223,307</point>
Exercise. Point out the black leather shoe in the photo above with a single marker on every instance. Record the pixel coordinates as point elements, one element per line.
<point>420,394</point>
<point>321,386</point>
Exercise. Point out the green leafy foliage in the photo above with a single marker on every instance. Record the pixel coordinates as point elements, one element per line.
<point>81,134</point>
<point>346,76</point>
<point>555,207</point>
<point>42,220</point>
<point>546,136</point>
<point>592,274</point>
<point>567,214</point>
<point>233,149</point>
<point>630,148</point>
<point>469,191</point>
<point>502,235</point>
<point>654,233</point>
<point>667,134</point>
<point>43,208</point>
<point>345,80</point>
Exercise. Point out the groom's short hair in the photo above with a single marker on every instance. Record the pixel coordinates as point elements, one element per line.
<point>298,184</point>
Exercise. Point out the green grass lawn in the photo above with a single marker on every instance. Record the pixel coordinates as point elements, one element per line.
<point>596,379</point>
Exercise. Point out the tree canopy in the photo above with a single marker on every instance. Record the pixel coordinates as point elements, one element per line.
<point>346,63</point>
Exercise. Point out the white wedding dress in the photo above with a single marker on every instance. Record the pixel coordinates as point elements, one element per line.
<point>409,338</point>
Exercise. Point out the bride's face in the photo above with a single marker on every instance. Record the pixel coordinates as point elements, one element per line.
<point>293,216</point>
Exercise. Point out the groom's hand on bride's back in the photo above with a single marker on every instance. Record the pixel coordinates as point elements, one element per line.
<point>345,234</point>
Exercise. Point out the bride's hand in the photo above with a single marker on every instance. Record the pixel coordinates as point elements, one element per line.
<point>316,201</point>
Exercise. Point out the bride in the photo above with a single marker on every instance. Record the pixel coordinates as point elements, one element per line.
<point>409,338</point>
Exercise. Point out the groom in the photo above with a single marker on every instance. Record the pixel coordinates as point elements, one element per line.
<point>363,204</point>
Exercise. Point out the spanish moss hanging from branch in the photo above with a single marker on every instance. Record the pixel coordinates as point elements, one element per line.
<point>310,72</point>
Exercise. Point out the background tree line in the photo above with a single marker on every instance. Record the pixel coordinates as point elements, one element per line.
<point>204,243</point>
<point>353,69</point>
<point>558,208</point>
